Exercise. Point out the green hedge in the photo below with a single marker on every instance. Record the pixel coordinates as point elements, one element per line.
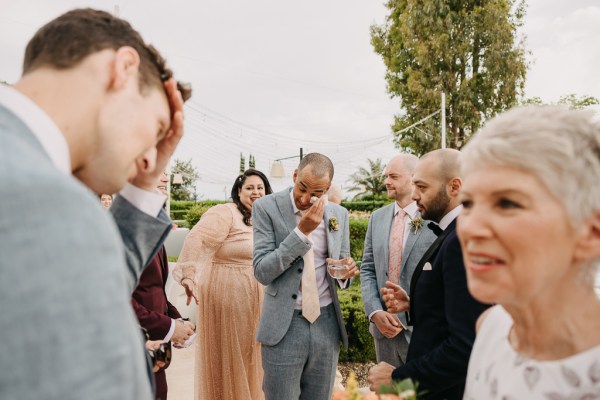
<point>180,208</point>
<point>363,205</point>
<point>193,215</point>
<point>360,342</point>
<point>358,231</point>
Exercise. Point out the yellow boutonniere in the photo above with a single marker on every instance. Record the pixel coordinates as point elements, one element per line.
<point>416,224</point>
<point>334,225</point>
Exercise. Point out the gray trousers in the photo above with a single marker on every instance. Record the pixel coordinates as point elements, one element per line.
<point>393,351</point>
<point>302,365</point>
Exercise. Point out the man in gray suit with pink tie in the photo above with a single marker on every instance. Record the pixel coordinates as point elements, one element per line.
<point>394,244</point>
<point>301,324</point>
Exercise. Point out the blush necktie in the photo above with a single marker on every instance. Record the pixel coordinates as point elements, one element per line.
<point>310,296</point>
<point>395,246</point>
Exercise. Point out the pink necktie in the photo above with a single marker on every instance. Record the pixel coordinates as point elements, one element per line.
<point>396,244</point>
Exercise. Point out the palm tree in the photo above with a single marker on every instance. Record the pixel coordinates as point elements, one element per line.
<point>368,181</point>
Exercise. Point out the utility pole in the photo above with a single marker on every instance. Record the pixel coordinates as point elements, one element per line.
<point>443,120</point>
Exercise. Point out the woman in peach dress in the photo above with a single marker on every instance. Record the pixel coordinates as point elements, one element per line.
<point>215,268</point>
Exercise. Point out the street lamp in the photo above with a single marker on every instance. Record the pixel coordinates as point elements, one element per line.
<point>277,170</point>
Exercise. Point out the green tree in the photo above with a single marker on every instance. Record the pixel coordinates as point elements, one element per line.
<point>465,48</point>
<point>251,162</point>
<point>368,181</point>
<point>189,175</point>
<point>242,163</point>
<point>571,100</point>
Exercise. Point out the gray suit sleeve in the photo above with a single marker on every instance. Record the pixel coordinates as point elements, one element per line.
<point>270,261</point>
<point>142,236</point>
<point>368,276</point>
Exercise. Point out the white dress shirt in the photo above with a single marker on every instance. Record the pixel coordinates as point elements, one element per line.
<point>451,216</point>
<point>318,241</point>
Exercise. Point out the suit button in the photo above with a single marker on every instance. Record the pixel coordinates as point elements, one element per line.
<point>299,269</point>
<point>294,296</point>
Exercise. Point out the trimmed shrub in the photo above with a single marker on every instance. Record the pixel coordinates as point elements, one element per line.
<point>360,342</point>
<point>358,231</point>
<point>363,205</point>
<point>193,215</point>
<point>178,214</point>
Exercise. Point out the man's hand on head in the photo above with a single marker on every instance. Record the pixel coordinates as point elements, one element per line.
<point>150,167</point>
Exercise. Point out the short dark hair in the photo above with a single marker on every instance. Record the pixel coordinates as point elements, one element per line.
<point>239,182</point>
<point>320,165</point>
<point>65,41</point>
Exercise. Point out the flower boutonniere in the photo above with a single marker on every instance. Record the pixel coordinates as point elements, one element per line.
<point>334,225</point>
<point>416,224</point>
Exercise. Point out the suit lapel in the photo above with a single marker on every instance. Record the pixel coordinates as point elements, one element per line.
<point>284,203</point>
<point>327,214</point>
<point>410,242</point>
<point>388,216</point>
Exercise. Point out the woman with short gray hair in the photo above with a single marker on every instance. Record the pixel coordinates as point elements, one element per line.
<point>530,233</point>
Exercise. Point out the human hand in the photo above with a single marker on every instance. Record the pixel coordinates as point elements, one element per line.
<point>396,299</point>
<point>388,324</point>
<point>380,374</point>
<point>153,344</point>
<point>151,165</point>
<point>313,216</point>
<point>188,285</point>
<point>183,330</point>
<point>351,268</point>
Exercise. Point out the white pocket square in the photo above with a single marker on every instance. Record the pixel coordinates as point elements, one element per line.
<point>427,266</point>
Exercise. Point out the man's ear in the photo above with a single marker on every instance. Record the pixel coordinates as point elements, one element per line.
<point>453,186</point>
<point>295,175</point>
<point>125,67</point>
<point>588,244</point>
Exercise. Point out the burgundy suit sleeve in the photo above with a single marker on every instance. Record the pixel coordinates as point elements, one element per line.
<point>172,311</point>
<point>156,324</point>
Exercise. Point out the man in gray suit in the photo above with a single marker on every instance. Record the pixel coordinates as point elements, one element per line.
<point>296,234</point>
<point>95,107</point>
<point>390,330</point>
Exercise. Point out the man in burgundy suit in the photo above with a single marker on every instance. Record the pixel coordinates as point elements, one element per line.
<point>155,313</point>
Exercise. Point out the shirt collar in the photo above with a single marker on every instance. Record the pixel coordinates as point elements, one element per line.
<point>296,210</point>
<point>43,127</point>
<point>451,216</point>
<point>410,210</point>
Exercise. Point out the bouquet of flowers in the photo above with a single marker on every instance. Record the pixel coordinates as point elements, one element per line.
<point>403,390</point>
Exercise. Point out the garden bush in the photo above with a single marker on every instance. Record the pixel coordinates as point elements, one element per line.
<point>193,215</point>
<point>363,205</point>
<point>358,230</point>
<point>360,342</point>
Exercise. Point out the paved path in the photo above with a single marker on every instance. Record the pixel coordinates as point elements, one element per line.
<point>180,374</point>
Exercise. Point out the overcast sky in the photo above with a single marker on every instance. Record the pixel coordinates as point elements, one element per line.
<point>271,76</point>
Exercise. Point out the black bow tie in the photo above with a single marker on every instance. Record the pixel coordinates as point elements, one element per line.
<point>435,228</point>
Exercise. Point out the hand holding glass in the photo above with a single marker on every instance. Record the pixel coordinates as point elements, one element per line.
<point>338,269</point>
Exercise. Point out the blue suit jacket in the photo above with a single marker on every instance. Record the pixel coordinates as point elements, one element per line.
<point>443,314</point>
<point>278,262</point>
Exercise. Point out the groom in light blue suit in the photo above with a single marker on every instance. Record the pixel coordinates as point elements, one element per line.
<point>390,331</point>
<point>299,353</point>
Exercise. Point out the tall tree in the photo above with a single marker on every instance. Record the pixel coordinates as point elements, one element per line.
<point>251,162</point>
<point>189,175</point>
<point>467,49</point>
<point>571,100</point>
<point>368,181</point>
<point>242,163</point>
